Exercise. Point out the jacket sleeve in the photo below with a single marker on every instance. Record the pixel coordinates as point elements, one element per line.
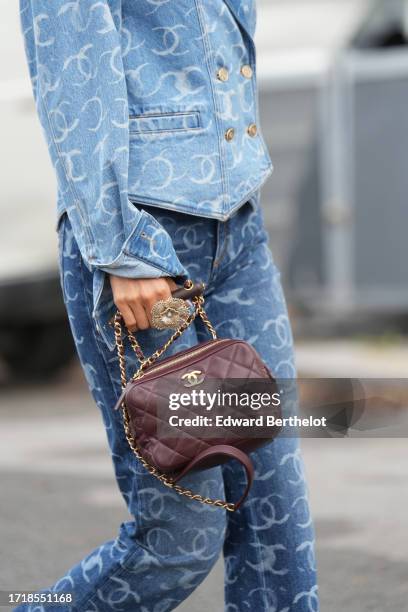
<point>79,84</point>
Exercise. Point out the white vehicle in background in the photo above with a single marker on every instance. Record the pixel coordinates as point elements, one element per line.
<point>34,335</point>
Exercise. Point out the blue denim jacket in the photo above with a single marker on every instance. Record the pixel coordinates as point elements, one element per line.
<point>147,101</point>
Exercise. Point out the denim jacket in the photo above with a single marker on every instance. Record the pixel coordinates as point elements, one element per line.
<point>145,101</point>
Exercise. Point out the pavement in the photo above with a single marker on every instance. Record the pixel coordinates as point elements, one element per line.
<point>59,501</point>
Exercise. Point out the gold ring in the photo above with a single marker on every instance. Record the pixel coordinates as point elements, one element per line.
<point>169,314</point>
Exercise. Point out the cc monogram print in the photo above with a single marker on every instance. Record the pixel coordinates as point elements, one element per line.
<point>149,102</point>
<point>149,109</point>
<point>193,378</point>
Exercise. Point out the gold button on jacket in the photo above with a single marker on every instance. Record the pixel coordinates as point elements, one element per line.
<point>252,129</point>
<point>229,134</point>
<point>223,74</point>
<point>246,71</point>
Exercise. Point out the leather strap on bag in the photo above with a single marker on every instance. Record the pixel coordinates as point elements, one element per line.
<point>226,451</point>
<point>189,292</point>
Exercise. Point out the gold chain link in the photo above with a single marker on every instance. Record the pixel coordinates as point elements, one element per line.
<point>145,362</point>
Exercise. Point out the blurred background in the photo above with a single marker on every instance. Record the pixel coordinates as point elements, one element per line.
<point>333,78</point>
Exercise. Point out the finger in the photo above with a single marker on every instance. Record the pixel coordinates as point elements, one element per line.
<point>128,317</point>
<point>171,284</point>
<point>150,301</point>
<point>139,312</point>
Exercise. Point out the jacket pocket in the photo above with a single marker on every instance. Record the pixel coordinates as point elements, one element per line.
<point>173,158</point>
<point>158,123</point>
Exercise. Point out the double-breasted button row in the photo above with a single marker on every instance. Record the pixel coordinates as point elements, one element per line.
<point>223,73</point>
<point>252,131</point>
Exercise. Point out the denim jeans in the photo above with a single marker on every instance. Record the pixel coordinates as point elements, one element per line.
<point>169,547</point>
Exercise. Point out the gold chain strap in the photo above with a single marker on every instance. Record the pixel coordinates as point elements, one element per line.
<point>145,362</point>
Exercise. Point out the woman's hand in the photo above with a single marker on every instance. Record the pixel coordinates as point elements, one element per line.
<point>135,297</point>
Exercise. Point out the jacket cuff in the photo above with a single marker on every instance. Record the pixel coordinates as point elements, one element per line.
<point>131,267</point>
<point>147,253</point>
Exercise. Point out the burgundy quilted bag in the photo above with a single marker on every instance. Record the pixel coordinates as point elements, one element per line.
<point>171,458</point>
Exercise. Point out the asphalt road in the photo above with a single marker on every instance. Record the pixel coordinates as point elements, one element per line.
<point>59,500</point>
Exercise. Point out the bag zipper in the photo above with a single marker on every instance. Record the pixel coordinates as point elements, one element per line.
<point>188,355</point>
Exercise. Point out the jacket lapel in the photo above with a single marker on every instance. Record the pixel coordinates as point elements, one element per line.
<point>244,12</point>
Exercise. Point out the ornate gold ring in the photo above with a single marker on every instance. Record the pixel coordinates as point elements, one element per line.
<point>169,314</point>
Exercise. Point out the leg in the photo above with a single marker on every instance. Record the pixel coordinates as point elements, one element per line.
<point>269,548</point>
<point>171,544</point>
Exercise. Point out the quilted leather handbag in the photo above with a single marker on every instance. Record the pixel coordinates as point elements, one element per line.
<point>171,458</point>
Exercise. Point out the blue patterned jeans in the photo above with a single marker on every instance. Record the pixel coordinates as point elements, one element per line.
<point>162,555</point>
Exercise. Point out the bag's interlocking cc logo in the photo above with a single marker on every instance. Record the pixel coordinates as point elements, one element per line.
<point>195,377</point>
